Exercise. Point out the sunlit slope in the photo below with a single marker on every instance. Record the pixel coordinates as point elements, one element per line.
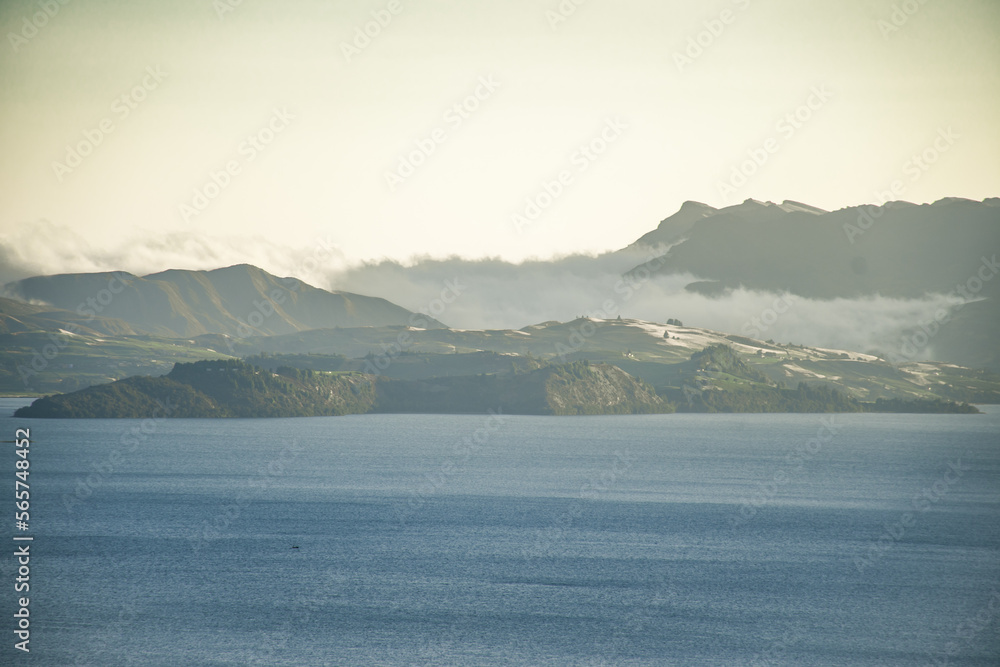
<point>240,300</point>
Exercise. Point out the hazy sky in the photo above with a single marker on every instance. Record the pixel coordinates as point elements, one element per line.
<point>329,123</point>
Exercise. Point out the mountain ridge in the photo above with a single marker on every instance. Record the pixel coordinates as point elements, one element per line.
<point>897,250</point>
<point>239,300</point>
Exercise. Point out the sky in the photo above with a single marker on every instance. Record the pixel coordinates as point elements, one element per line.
<point>195,133</point>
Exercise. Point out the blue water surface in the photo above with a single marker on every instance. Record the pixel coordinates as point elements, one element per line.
<point>859,539</point>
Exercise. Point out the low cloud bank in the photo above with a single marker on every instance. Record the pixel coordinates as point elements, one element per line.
<point>45,248</point>
<point>500,295</point>
<point>494,294</point>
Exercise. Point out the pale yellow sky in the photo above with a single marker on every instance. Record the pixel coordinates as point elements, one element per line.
<point>328,123</point>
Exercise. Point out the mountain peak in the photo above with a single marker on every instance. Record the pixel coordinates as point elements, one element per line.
<point>769,207</point>
<point>691,205</point>
<point>954,200</point>
<point>799,207</point>
<point>672,229</point>
<point>750,205</point>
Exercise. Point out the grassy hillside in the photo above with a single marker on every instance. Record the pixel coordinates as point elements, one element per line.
<point>17,317</point>
<point>242,390</point>
<point>578,388</point>
<point>406,365</point>
<point>656,353</point>
<point>240,301</point>
<point>134,397</point>
<point>581,388</point>
<point>232,388</point>
<point>36,363</point>
<point>718,379</point>
<point>219,388</point>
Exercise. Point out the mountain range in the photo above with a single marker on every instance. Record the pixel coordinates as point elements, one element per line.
<point>911,282</point>
<point>896,250</point>
<point>61,333</point>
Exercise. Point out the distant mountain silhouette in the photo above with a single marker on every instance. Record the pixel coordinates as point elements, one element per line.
<point>239,300</point>
<point>898,250</point>
<point>906,251</point>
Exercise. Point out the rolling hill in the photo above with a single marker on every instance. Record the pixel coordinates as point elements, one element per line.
<point>240,301</point>
<point>658,354</point>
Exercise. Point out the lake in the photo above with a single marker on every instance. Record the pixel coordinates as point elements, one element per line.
<point>854,539</point>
